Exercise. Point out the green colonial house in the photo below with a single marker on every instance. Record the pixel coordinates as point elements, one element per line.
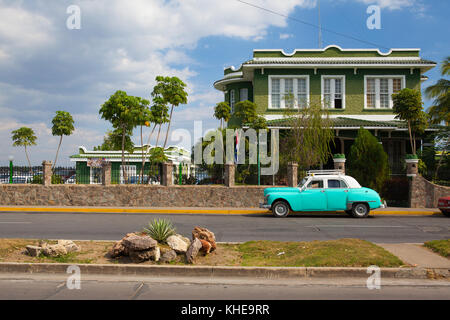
<point>354,85</point>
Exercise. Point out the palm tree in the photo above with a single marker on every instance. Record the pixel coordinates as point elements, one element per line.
<point>440,92</point>
<point>222,112</point>
<point>24,137</point>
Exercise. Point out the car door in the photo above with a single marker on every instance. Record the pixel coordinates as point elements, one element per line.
<point>336,193</point>
<point>313,197</point>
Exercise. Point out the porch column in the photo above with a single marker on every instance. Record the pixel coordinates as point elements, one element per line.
<point>47,173</point>
<point>106,174</point>
<point>292,169</point>
<point>229,174</point>
<point>167,174</point>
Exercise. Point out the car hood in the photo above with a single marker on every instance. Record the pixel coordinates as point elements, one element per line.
<point>284,190</point>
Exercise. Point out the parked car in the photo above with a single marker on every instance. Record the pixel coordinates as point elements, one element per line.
<point>323,190</point>
<point>71,180</point>
<point>444,205</point>
<point>4,178</point>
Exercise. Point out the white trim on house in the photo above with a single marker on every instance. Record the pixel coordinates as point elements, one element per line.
<point>332,88</point>
<point>374,117</point>
<point>331,59</point>
<point>377,90</point>
<point>282,87</point>
<point>338,47</point>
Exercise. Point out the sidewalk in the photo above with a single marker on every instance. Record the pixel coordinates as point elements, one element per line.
<point>416,255</point>
<point>194,210</point>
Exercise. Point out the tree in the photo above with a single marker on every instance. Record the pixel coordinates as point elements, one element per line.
<point>367,161</point>
<point>308,142</point>
<point>122,111</point>
<point>408,107</point>
<point>62,126</point>
<point>143,118</point>
<point>113,141</point>
<point>171,90</point>
<point>245,112</point>
<point>440,110</point>
<point>160,114</point>
<point>24,137</point>
<point>222,112</point>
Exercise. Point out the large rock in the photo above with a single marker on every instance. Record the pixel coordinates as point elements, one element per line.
<point>177,243</point>
<point>204,234</point>
<point>139,243</point>
<point>206,246</point>
<point>145,255</point>
<point>69,245</point>
<point>119,249</point>
<point>54,250</point>
<point>168,256</point>
<point>193,250</point>
<point>34,251</point>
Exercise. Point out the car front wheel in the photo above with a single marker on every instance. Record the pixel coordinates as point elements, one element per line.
<point>360,210</point>
<point>446,213</point>
<point>280,209</point>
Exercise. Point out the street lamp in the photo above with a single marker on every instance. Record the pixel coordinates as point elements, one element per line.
<point>11,158</point>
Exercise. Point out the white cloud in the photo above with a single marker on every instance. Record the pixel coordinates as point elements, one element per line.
<point>284,36</point>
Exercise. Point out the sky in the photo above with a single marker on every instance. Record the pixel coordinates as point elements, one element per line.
<point>124,45</point>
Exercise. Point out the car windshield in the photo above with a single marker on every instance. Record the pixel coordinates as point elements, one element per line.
<point>302,183</point>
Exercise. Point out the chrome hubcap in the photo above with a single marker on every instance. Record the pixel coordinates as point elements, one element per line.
<point>361,209</point>
<point>280,210</point>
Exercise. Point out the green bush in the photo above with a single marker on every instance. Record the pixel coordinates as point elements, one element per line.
<point>411,156</point>
<point>160,229</point>
<point>367,161</point>
<point>339,156</point>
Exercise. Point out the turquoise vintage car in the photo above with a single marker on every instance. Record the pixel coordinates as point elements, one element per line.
<point>323,190</point>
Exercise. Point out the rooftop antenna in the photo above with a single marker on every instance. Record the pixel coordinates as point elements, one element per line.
<point>320,27</point>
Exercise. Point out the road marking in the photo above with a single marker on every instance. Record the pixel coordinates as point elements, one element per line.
<point>14,222</point>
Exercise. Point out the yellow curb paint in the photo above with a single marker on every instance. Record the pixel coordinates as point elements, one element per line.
<point>182,211</point>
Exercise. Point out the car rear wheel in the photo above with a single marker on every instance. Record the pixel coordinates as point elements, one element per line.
<point>446,213</point>
<point>360,210</point>
<point>280,209</point>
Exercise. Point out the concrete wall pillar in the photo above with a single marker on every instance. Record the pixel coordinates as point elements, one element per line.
<point>339,164</point>
<point>167,174</point>
<point>106,174</point>
<point>47,173</point>
<point>412,167</point>
<point>229,174</point>
<point>292,171</point>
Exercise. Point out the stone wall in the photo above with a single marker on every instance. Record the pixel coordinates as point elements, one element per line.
<point>424,194</point>
<point>131,196</point>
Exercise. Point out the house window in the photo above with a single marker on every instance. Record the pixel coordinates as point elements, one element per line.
<point>130,171</point>
<point>232,100</point>
<point>333,92</point>
<point>288,91</point>
<point>276,101</point>
<point>379,90</point>
<point>243,94</point>
<point>95,175</point>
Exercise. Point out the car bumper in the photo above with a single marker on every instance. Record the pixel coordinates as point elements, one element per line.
<point>265,206</point>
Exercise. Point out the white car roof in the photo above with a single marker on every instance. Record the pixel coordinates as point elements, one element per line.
<point>351,182</point>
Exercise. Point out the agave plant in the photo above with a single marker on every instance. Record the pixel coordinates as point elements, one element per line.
<point>160,229</point>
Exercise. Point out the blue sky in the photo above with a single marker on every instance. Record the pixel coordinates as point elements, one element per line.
<point>123,45</point>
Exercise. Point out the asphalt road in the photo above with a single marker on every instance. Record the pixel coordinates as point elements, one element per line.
<point>228,228</point>
<point>53,287</point>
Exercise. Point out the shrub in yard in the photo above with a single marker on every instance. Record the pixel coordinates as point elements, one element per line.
<point>367,161</point>
<point>160,229</point>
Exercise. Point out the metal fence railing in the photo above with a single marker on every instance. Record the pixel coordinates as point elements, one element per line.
<point>131,174</point>
<point>197,175</point>
<point>20,174</point>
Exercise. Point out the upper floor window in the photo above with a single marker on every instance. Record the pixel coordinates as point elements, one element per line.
<point>333,92</point>
<point>243,94</point>
<point>379,89</point>
<point>288,91</point>
<point>232,100</point>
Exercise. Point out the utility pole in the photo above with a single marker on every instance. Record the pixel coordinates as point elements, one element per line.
<point>320,27</point>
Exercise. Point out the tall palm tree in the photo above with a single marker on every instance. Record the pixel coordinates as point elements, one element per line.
<point>440,92</point>
<point>24,137</point>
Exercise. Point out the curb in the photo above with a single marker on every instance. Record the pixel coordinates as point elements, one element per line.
<point>184,211</point>
<point>219,271</point>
